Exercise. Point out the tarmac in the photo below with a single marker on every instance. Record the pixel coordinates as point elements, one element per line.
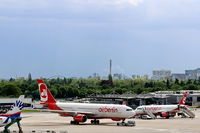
<point>41,122</point>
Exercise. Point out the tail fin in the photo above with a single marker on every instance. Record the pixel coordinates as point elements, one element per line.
<point>183,100</point>
<point>45,95</point>
<point>15,110</point>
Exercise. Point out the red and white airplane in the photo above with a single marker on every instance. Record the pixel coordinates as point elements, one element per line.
<point>164,110</point>
<point>83,111</point>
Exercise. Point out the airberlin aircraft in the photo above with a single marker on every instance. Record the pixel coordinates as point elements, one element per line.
<point>83,111</point>
<point>161,110</point>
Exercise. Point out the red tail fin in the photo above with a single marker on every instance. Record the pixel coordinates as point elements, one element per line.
<point>183,100</point>
<point>45,95</point>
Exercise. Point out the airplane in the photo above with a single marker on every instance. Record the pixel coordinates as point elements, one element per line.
<point>13,115</point>
<point>83,111</point>
<point>164,110</point>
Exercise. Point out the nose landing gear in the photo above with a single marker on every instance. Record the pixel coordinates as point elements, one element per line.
<point>95,122</point>
<point>128,123</point>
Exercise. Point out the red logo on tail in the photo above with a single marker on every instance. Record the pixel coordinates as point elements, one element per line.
<point>183,100</point>
<point>43,92</point>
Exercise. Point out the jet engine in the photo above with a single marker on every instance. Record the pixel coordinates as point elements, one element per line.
<point>80,118</point>
<point>164,114</point>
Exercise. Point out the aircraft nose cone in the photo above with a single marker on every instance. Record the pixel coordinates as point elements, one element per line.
<point>137,112</point>
<point>134,113</point>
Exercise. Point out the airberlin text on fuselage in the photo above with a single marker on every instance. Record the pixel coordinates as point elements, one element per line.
<point>153,108</point>
<point>105,109</point>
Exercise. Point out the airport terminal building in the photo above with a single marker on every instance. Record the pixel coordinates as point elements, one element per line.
<point>159,98</point>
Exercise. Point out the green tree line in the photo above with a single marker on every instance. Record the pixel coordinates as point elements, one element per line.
<point>83,87</point>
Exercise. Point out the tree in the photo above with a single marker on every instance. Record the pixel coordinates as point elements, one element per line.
<point>176,81</point>
<point>72,92</point>
<point>175,87</point>
<point>11,79</point>
<point>199,81</point>
<point>168,84</point>
<point>29,78</point>
<point>10,89</point>
<point>189,81</point>
<point>192,87</point>
<point>110,79</point>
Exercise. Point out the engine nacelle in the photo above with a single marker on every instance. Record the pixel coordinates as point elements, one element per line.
<point>80,118</point>
<point>4,120</point>
<point>164,114</point>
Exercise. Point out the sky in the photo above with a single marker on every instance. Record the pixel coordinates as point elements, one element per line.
<point>76,38</point>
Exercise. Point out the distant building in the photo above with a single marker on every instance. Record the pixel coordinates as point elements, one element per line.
<point>198,73</point>
<point>192,74</point>
<point>161,74</point>
<point>96,76</point>
<point>146,76</point>
<point>178,76</point>
<point>117,76</point>
<point>134,76</point>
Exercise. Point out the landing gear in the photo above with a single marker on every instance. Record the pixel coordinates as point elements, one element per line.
<point>74,123</point>
<point>167,117</point>
<point>129,123</point>
<point>95,122</point>
<point>19,126</point>
<point>122,123</point>
<point>6,130</point>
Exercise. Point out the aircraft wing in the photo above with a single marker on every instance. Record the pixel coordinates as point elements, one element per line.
<point>71,113</point>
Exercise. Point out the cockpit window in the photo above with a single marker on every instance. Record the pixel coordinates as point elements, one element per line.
<point>128,109</point>
<point>139,108</point>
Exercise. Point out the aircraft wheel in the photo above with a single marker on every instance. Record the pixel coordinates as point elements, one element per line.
<point>72,122</point>
<point>167,117</point>
<point>77,123</point>
<point>97,122</point>
<point>123,124</point>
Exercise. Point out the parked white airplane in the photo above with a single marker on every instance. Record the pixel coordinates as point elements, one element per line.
<point>164,110</point>
<point>13,115</point>
<point>83,111</point>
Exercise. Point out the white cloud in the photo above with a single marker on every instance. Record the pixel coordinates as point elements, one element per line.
<point>111,2</point>
<point>172,9</point>
<point>132,2</point>
<point>62,3</point>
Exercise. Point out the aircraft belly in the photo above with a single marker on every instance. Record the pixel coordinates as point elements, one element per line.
<point>109,114</point>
